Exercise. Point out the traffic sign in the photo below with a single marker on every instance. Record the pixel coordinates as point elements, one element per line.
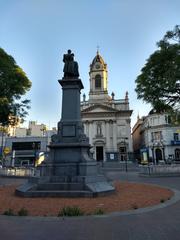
<point>6,150</point>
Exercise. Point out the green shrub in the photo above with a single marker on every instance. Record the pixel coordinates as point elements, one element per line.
<point>23,212</point>
<point>70,211</point>
<point>162,200</point>
<point>99,211</point>
<point>9,212</point>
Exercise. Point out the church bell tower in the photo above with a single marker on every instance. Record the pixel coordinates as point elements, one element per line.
<point>98,79</point>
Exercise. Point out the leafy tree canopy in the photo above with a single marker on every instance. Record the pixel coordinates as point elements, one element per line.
<point>159,81</point>
<point>13,85</point>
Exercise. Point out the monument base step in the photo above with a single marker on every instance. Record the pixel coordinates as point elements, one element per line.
<point>61,186</point>
<point>49,189</point>
<point>55,193</point>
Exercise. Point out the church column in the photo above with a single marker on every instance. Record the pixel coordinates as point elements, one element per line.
<point>104,135</point>
<point>90,131</point>
<point>91,84</point>
<point>114,135</point>
<point>111,134</point>
<point>107,135</point>
<point>86,129</point>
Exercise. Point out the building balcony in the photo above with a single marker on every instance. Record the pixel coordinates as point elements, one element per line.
<point>157,143</point>
<point>99,136</point>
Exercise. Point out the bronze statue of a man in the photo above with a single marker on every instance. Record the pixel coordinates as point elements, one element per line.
<point>70,66</point>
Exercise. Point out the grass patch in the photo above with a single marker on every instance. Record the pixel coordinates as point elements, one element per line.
<point>9,212</point>
<point>70,211</point>
<point>23,212</point>
<point>99,211</point>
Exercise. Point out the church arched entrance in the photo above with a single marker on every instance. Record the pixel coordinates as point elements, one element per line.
<point>158,153</point>
<point>99,148</point>
<point>99,153</point>
<point>122,151</point>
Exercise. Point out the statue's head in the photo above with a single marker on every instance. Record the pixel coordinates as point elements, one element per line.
<point>69,51</point>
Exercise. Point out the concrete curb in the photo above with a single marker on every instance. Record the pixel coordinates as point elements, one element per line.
<point>159,175</point>
<point>173,200</point>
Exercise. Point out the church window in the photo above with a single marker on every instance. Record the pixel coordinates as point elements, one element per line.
<point>98,81</point>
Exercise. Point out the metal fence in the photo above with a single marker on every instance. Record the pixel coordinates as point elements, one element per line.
<point>160,169</point>
<point>18,172</point>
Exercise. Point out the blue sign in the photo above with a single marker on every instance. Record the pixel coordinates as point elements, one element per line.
<point>143,150</point>
<point>173,142</point>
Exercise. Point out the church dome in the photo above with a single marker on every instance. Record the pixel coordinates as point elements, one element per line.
<point>98,59</point>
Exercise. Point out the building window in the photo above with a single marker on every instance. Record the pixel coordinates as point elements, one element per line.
<point>168,119</point>
<point>122,149</point>
<point>176,137</point>
<point>152,137</point>
<point>156,136</point>
<point>177,154</point>
<point>26,145</point>
<point>98,81</point>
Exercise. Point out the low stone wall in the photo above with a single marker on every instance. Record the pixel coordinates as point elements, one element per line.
<point>160,170</point>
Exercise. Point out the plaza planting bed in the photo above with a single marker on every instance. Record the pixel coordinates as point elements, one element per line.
<point>128,196</point>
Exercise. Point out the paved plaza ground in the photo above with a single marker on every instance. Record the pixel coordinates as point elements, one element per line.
<point>159,223</point>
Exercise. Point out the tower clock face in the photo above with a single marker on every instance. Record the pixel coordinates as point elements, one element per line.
<point>97,66</point>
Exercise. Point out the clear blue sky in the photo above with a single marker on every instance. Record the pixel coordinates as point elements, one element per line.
<point>38,32</point>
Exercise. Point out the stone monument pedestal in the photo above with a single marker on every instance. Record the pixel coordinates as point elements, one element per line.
<point>70,170</point>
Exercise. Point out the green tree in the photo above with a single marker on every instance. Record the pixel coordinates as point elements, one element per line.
<point>159,81</point>
<point>13,85</point>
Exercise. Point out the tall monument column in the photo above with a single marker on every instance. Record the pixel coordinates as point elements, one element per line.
<point>71,92</point>
<point>70,170</point>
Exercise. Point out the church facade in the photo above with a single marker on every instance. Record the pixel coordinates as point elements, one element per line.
<point>106,119</point>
